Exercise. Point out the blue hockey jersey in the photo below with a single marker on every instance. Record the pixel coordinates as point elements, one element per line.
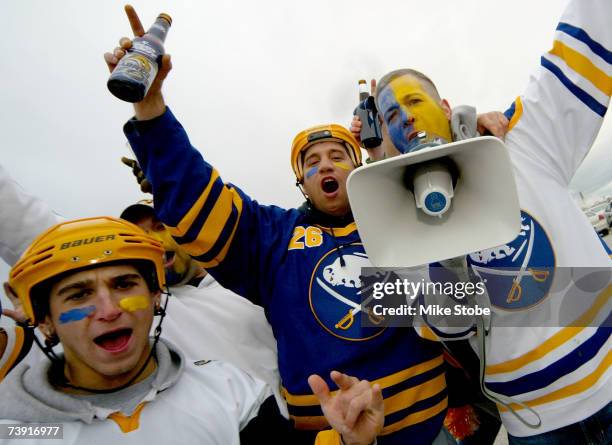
<point>305,272</point>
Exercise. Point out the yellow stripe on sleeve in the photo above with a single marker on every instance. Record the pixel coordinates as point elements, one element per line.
<point>185,223</point>
<point>406,398</point>
<point>385,382</point>
<point>583,66</point>
<point>417,417</point>
<point>570,390</point>
<point>237,201</point>
<point>518,112</point>
<point>400,376</point>
<point>556,340</point>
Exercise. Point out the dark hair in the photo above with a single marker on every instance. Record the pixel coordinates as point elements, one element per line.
<point>137,212</point>
<point>39,295</point>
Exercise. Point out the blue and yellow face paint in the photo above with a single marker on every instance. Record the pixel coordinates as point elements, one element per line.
<point>313,170</point>
<point>135,303</point>
<point>408,109</point>
<point>76,314</point>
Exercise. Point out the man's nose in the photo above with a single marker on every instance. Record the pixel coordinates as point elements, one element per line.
<point>409,119</point>
<point>326,164</point>
<point>106,307</point>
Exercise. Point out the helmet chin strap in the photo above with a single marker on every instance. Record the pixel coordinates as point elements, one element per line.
<point>299,185</point>
<point>47,349</point>
<point>57,363</point>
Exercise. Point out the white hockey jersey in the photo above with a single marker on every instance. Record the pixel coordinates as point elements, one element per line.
<point>560,372</point>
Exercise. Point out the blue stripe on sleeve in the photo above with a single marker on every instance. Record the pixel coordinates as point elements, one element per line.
<point>540,379</point>
<point>510,111</point>
<point>585,97</point>
<point>581,34</point>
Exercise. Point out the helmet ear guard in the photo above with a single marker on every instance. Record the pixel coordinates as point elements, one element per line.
<point>75,245</point>
<point>321,133</point>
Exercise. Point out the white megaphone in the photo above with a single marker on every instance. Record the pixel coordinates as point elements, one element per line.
<point>436,203</point>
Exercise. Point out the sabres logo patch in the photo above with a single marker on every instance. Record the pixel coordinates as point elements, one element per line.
<point>335,294</point>
<point>519,274</point>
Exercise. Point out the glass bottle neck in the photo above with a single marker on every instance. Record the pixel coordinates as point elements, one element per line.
<point>159,29</point>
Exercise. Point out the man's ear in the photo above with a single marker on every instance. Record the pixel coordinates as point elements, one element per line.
<point>446,108</point>
<point>47,328</point>
<point>157,306</point>
<point>156,297</point>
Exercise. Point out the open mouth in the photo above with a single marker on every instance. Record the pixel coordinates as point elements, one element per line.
<point>115,341</point>
<point>329,185</point>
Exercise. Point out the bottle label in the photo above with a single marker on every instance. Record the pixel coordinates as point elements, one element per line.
<point>138,68</point>
<point>145,48</point>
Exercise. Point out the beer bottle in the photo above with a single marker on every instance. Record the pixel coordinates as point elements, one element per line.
<point>370,135</point>
<point>132,77</point>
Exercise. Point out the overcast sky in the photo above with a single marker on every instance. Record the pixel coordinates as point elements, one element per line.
<point>247,76</point>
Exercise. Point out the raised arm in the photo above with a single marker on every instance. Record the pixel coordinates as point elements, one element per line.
<point>216,223</point>
<point>23,217</point>
<point>556,120</point>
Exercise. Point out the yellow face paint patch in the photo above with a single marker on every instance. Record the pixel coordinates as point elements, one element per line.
<point>131,304</point>
<point>342,165</point>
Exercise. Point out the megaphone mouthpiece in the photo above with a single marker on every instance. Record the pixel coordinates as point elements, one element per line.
<point>432,184</point>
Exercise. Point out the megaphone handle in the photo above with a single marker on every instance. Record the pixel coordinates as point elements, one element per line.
<point>346,321</point>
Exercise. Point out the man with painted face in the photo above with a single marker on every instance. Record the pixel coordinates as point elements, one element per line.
<point>199,309</point>
<point>561,373</point>
<point>94,286</point>
<point>302,265</point>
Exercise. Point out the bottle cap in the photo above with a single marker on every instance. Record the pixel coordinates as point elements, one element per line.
<point>166,17</point>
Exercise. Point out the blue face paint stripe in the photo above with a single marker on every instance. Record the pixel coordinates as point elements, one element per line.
<point>76,314</point>
<point>311,171</point>
<point>398,131</point>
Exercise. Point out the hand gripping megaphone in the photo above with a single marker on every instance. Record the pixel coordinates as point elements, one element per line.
<point>436,203</point>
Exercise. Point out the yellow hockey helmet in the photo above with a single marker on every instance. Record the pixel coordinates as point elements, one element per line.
<point>74,245</point>
<point>322,133</point>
